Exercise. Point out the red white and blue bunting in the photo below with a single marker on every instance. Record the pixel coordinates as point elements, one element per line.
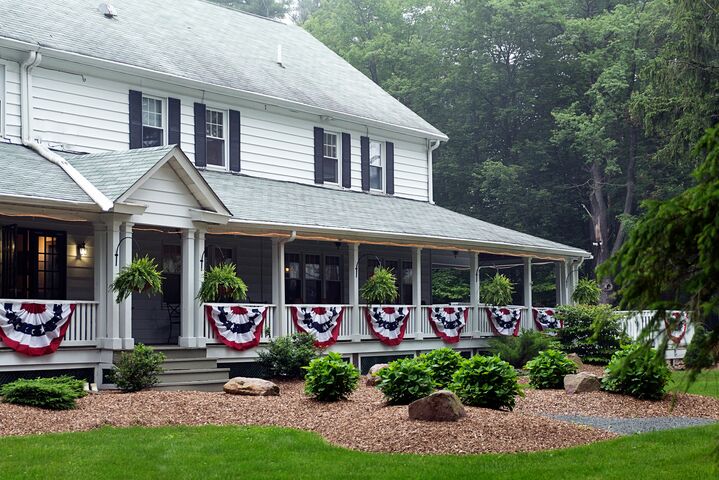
<point>236,326</point>
<point>544,319</point>
<point>34,328</point>
<point>448,322</point>
<point>676,326</point>
<point>504,321</point>
<point>322,322</point>
<point>388,324</point>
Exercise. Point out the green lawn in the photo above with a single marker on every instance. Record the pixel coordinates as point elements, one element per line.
<point>707,383</point>
<point>259,452</point>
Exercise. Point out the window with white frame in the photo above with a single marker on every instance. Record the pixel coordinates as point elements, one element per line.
<point>330,163</point>
<point>376,166</point>
<point>153,122</point>
<point>215,130</point>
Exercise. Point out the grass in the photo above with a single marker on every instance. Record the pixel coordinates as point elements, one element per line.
<point>707,383</point>
<point>212,452</point>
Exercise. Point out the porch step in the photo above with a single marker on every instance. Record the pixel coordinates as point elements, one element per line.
<point>195,374</point>
<point>173,353</point>
<point>189,363</point>
<point>197,386</point>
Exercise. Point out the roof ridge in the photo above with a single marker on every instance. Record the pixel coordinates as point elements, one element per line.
<point>227,7</point>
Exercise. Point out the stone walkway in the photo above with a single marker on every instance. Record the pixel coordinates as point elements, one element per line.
<point>628,426</point>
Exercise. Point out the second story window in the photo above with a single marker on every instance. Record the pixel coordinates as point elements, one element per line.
<point>153,132</point>
<point>330,164</point>
<point>376,166</point>
<point>215,129</point>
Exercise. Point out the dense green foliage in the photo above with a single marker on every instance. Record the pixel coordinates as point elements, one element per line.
<point>449,285</point>
<point>587,292</point>
<point>221,284</point>
<point>547,370</point>
<point>591,331</point>
<point>497,291</point>
<point>142,275</point>
<point>443,363</point>
<point>637,370</point>
<point>405,380</point>
<point>138,369</point>
<point>330,378</point>
<point>54,393</point>
<point>700,354</point>
<point>286,357</point>
<point>381,287</point>
<point>488,382</point>
<point>517,351</point>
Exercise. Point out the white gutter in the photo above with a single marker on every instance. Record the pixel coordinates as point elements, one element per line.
<point>431,147</point>
<point>33,59</point>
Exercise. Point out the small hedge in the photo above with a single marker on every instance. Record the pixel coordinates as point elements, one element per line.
<point>443,363</point>
<point>330,378</point>
<point>591,331</point>
<point>405,380</point>
<point>637,370</point>
<point>487,382</point>
<point>517,351</point>
<point>548,369</point>
<point>55,393</point>
<point>286,357</point>
<point>138,369</point>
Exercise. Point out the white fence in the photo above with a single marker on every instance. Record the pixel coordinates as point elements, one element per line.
<point>635,324</point>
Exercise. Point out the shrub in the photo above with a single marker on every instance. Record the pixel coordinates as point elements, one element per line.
<point>221,283</point>
<point>443,363</point>
<point>405,380</point>
<point>637,370</point>
<point>699,351</point>
<point>381,287</point>
<point>285,357</point>
<point>142,275</point>
<point>497,291</point>
<point>522,348</point>
<point>487,382</point>
<point>330,378</point>
<point>548,369</point>
<point>591,331</point>
<point>587,292</point>
<point>56,393</point>
<point>138,369</point>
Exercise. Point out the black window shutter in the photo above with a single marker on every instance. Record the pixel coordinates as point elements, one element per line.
<point>235,132</point>
<point>135,109</point>
<point>389,147</point>
<point>173,121</point>
<point>346,160</point>
<point>364,162</point>
<point>200,136</point>
<point>319,154</point>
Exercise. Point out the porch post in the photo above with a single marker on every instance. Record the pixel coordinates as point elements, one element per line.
<point>199,274</point>
<point>528,289</point>
<point>112,338</point>
<point>562,280</point>
<point>474,290</point>
<point>573,275</point>
<point>128,342</point>
<point>558,284</point>
<point>278,286</point>
<point>355,313</point>
<point>99,244</point>
<point>417,291</point>
<point>188,338</point>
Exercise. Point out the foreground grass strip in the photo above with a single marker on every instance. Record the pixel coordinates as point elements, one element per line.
<point>213,452</point>
<point>707,383</point>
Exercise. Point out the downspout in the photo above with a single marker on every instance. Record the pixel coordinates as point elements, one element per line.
<point>432,145</point>
<point>570,273</point>
<point>34,58</point>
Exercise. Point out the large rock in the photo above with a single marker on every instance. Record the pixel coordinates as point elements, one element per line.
<point>374,369</point>
<point>255,387</point>
<point>576,359</point>
<point>441,406</point>
<point>582,382</point>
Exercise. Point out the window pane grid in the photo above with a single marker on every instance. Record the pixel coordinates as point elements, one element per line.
<point>214,124</point>
<point>151,112</point>
<point>330,145</point>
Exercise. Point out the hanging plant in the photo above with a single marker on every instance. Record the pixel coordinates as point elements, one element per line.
<point>221,283</point>
<point>142,275</point>
<point>587,292</point>
<point>381,287</point>
<point>497,291</point>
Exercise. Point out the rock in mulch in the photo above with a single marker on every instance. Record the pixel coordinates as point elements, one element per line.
<point>372,381</point>
<point>576,359</point>
<point>629,426</point>
<point>441,406</point>
<point>254,387</point>
<point>582,382</point>
<point>372,378</point>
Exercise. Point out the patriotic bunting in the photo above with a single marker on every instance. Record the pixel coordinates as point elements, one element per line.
<point>504,321</point>
<point>388,324</point>
<point>544,319</point>
<point>34,328</point>
<point>448,322</point>
<point>237,327</point>
<point>676,326</point>
<point>322,322</point>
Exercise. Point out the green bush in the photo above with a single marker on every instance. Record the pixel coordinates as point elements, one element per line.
<point>487,382</point>
<point>591,331</point>
<point>587,292</point>
<point>497,291</point>
<point>637,370</point>
<point>381,287</point>
<point>138,369</point>
<point>443,363</point>
<point>55,393</point>
<point>330,378</point>
<point>548,369</point>
<point>699,351</point>
<point>405,380</point>
<point>522,348</point>
<point>285,357</point>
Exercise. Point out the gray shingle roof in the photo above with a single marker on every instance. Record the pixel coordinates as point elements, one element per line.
<point>26,173</point>
<point>261,200</point>
<point>200,41</point>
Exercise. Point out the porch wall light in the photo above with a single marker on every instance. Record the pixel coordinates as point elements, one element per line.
<point>81,250</point>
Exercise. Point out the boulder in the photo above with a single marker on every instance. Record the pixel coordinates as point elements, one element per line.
<point>576,359</point>
<point>441,406</point>
<point>374,369</point>
<point>255,387</point>
<point>373,381</point>
<point>582,382</point>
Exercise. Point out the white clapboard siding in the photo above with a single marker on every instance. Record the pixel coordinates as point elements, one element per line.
<point>11,105</point>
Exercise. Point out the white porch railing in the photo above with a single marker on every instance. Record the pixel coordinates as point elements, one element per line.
<point>82,330</point>
<point>267,327</point>
<point>634,324</point>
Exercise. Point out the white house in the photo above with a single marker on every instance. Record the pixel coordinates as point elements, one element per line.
<point>197,134</point>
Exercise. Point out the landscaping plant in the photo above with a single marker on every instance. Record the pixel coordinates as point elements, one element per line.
<point>286,356</point>
<point>699,355</point>
<point>330,378</point>
<point>55,393</point>
<point>142,275</point>
<point>548,369</point>
<point>487,382</point>
<point>442,363</point>
<point>522,348</point>
<point>637,370</point>
<point>138,369</point>
<point>405,380</point>
<point>221,283</point>
<point>587,292</point>
<point>497,291</point>
<point>591,331</point>
<point>381,287</point>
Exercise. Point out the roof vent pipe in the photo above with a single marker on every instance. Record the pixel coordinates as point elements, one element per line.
<point>108,10</point>
<point>279,55</point>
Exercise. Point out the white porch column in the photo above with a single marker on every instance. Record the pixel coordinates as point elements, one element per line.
<point>353,273</point>
<point>527,283</point>
<point>112,338</point>
<point>562,283</point>
<point>558,284</point>
<point>474,291</point>
<point>199,274</point>
<point>101,287</point>
<point>278,286</point>
<point>417,290</point>
<point>125,258</point>
<point>573,274</point>
<point>188,337</point>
